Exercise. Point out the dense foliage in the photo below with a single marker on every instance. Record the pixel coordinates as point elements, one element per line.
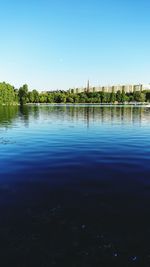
<point>10,95</point>
<point>97,97</point>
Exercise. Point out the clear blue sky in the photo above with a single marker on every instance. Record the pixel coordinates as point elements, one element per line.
<point>57,44</point>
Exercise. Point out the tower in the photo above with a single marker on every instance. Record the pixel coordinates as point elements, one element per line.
<point>88,87</point>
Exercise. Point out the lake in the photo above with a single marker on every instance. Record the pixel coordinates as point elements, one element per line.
<point>74,186</point>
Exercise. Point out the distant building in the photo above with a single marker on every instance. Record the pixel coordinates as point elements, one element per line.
<point>127,88</point>
<point>88,86</point>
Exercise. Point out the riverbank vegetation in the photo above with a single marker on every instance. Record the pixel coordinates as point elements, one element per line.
<point>10,95</point>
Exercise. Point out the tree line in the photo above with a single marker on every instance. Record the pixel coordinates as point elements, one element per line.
<point>11,95</point>
<point>8,94</point>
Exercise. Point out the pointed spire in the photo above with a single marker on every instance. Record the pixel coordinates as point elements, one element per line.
<point>88,86</point>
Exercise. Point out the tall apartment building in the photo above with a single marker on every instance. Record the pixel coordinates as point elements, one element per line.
<point>129,88</point>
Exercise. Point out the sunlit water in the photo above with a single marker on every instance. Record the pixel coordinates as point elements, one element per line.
<point>74,186</point>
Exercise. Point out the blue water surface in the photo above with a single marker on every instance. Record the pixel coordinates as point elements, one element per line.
<point>75,185</point>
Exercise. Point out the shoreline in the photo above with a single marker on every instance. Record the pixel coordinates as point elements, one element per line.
<point>138,104</point>
<point>91,104</point>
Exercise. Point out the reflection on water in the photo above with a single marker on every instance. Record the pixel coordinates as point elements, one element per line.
<point>8,115</point>
<point>74,186</point>
<point>88,114</point>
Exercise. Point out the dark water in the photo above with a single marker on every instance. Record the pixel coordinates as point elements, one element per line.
<point>74,186</point>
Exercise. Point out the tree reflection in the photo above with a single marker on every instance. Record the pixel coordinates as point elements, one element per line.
<point>86,114</point>
<point>8,114</point>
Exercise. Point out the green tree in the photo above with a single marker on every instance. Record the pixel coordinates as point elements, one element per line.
<point>30,97</point>
<point>147,94</point>
<point>8,95</point>
<point>112,97</point>
<point>123,96</point>
<point>139,96</point>
<point>118,96</point>
<point>23,94</point>
<point>35,96</point>
<point>69,99</point>
<point>103,97</point>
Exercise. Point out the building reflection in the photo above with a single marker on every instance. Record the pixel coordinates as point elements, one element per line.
<point>85,114</point>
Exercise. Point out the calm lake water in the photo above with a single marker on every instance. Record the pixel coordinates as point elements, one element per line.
<point>74,186</point>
